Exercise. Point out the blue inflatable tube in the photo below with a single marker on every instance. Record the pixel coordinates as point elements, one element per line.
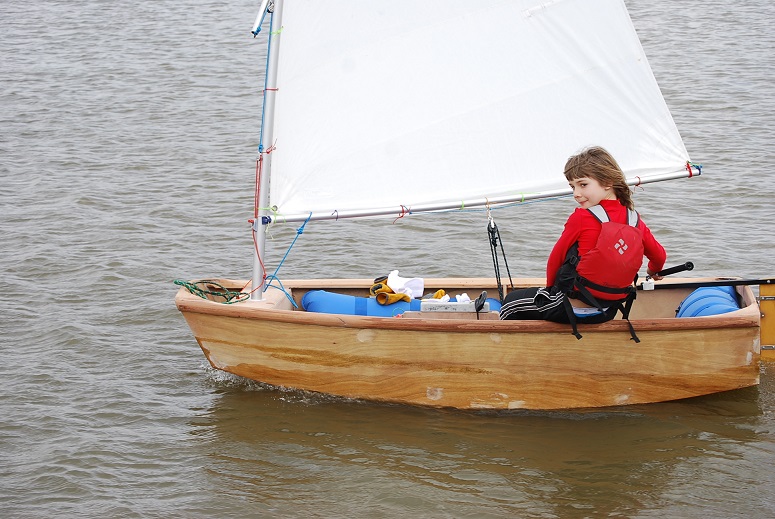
<point>332,303</point>
<point>709,301</point>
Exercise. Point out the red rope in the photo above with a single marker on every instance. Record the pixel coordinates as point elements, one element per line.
<point>404,211</point>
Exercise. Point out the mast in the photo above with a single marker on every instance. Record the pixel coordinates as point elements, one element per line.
<point>275,10</point>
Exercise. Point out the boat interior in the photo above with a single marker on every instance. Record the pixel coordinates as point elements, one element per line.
<point>663,302</point>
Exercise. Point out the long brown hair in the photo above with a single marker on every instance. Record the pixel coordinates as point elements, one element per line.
<point>598,164</point>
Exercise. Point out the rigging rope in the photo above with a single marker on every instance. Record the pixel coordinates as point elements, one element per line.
<point>270,277</point>
<point>690,165</point>
<point>495,237</point>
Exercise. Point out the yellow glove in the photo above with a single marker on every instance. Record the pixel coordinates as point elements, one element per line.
<point>385,298</point>
<point>380,288</point>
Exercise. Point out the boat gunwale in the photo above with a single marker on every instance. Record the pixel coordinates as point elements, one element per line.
<point>747,316</point>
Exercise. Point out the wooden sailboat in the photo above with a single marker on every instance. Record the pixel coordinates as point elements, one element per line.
<point>446,104</point>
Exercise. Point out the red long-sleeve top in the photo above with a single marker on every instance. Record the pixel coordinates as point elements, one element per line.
<point>584,228</point>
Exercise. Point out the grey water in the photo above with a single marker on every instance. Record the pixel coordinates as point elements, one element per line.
<point>128,133</point>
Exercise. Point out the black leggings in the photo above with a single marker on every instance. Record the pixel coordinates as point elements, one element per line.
<point>546,304</point>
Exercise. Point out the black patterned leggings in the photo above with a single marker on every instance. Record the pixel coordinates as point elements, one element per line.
<point>546,303</point>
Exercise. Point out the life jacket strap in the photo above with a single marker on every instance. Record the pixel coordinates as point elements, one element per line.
<point>582,282</point>
<point>599,212</point>
<point>625,308</point>
<point>571,316</point>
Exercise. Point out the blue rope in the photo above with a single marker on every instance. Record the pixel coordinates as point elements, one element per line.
<point>273,276</point>
<point>281,288</point>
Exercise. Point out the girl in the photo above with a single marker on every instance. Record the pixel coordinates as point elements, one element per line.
<point>590,272</point>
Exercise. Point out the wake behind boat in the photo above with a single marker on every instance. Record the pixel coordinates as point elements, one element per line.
<point>459,105</point>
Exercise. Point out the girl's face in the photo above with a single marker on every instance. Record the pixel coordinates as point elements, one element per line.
<point>589,192</point>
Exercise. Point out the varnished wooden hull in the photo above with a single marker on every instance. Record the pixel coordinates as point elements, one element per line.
<point>479,364</point>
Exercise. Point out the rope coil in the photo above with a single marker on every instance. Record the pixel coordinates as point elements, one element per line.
<point>228,296</point>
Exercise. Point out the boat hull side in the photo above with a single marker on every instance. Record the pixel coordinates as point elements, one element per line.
<point>483,365</point>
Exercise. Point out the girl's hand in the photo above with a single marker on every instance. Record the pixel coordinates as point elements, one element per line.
<point>653,275</point>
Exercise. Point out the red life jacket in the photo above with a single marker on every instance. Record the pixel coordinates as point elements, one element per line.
<point>609,269</point>
<point>605,275</point>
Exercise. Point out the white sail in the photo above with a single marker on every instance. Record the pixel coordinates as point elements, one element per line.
<point>448,103</point>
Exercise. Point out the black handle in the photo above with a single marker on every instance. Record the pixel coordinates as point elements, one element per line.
<point>678,268</point>
<point>479,302</point>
